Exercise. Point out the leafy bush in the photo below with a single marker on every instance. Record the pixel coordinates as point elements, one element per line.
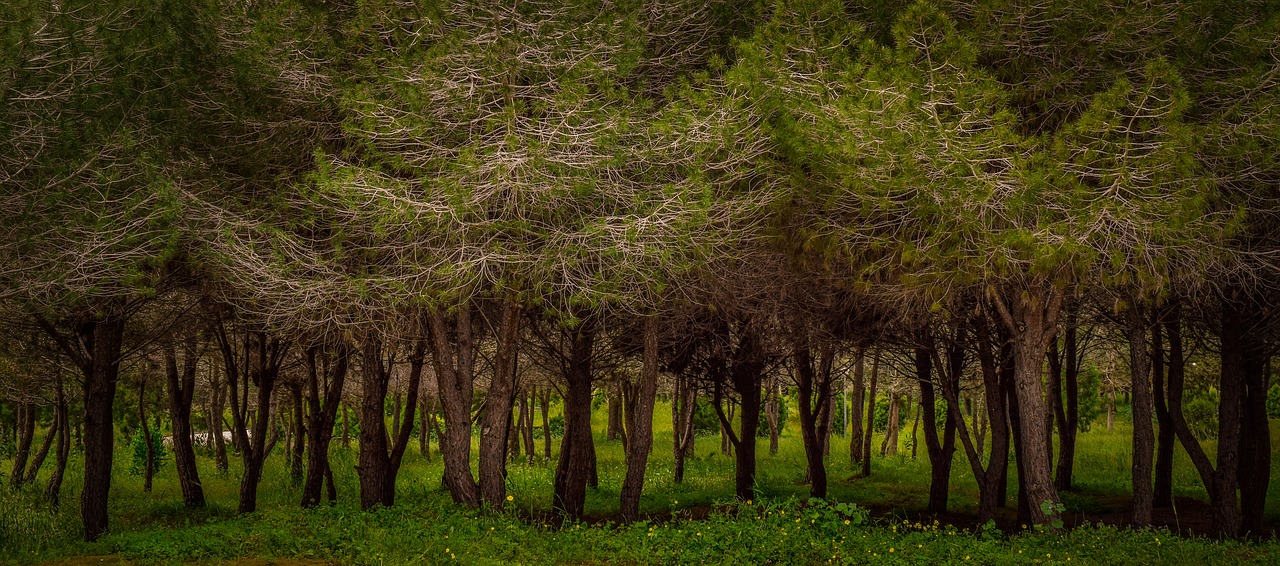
<point>138,465</point>
<point>1201,411</point>
<point>1273,402</point>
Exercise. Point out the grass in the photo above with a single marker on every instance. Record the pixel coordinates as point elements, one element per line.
<point>691,522</point>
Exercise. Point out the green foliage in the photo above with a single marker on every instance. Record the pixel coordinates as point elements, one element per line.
<point>1200,407</point>
<point>1273,402</point>
<point>1089,397</point>
<point>138,450</point>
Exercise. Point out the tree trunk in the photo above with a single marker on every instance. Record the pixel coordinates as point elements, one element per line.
<point>1162,493</point>
<point>496,420</point>
<point>812,386</point>
<point>454,363</point>
<point>941,450</point>
<point>61,420</point>
<point>870,415</point>
<point>529,401</point>
<point>889,446</point>
<point>1143,434</point>
<point>374,378</point>
<point>324,412</point>
<point>181,388</point>
<point>263,357</point>
<point>424,433</point>
<point>1031,320</point>
<point>614,428</point>
<point>546,423</point>
<point>1070,423</point>
<point>27,416</point>
<point>1255,446</point>
<point>576,453</point>
<point>683,404</point>
<point>298,435</point>
<point>771,416</point>
<point>104,339</point>
<point>640,424</point>
<point>855,408</point>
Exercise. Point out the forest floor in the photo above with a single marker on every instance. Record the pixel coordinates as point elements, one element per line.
<point>694,521</point>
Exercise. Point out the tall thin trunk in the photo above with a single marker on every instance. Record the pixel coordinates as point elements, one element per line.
<point>855,405</point>
<point>1143,433</point>
<point>527,405</point>
<point>813,386</point>
<point>37,461</point>
<point>1069,427</point>
<point>576,450</point>
<point>454,363</point>
<point>871,414</point>
<point>496,420</point>
<point>181,388</point>
<point>329,375</point>
<point>61,420</point>
<point>26,430</point>
<point>941,450</point>
<point>889,446</point>
<point>683,404</point>
<point>546,423</point>
<point>640,424</point>
<point>1162,493</point>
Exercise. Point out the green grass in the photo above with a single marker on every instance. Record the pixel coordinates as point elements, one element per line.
<point>424,527</point>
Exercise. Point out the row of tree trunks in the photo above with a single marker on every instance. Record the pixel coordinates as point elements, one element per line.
<point>25,427</point>
<point>253,358</point>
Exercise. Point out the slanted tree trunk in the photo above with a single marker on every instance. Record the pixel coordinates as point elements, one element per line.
<point>576,450</point>
<point>454,364</point>
<point>991,479</point>
<point>424,433</point>
<point>61,420</point>
<point>26,429</point>
<point>328,374</point>
<point>181,388</point>
<point>640,424</point>
<point>496,420</point>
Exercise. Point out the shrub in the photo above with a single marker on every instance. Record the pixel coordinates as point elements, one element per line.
<point>139,443</point>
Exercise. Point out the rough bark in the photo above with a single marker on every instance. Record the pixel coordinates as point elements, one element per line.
<point>454,363</point>
<point>1031,319</point>
<point>640,424</point>
<point>181,383</point>
<point>1143,433</point>
<point>813,386</point>
<point>328,374</point>
<point>682,406</point>
<point>380,457</point>
<point>104,338</point>
<point>576,451</point>
<point>496,420</point>
<point>1162,492</point>
<point>61,419</point>
<point>855,407</point>
<point>870,415</point>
